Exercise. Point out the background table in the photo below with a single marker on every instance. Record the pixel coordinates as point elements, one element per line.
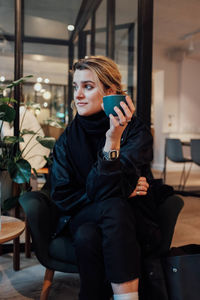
<point>11,228</point>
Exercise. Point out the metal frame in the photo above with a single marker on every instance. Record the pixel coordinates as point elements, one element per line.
<point>110,29</point>
<point>144,60</point>
<point>18,63</point>
<point>87,11</point>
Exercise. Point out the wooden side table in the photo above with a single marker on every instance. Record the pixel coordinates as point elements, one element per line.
<point>11,229</point>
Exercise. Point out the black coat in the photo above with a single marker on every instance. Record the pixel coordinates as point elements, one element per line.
<point>106,178</point>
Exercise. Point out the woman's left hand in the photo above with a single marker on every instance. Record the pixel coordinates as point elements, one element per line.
<point>141,188</point>
<point>118,124</point>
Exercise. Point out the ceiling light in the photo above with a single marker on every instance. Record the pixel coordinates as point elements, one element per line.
<point>37,87</point>
<point>39,79</point>
<point>70,27</point>
<point>2,78</point>
<point>46,80</point>
<point>45,104</point>
<point>46,95</point>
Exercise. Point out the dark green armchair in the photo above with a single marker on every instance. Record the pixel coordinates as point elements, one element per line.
<point>58,254</point>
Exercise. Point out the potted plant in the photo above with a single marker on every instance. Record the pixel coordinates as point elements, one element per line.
<point>12,160</point>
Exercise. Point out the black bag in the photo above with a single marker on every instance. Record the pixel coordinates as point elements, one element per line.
<point>173,277</point>
<point>182,272</point>
<point>152,284</point>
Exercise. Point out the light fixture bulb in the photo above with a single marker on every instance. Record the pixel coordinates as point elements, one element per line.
<point>46,80</point>
<point>70,27</point>
<point>37,87</point>
<point>39,79</point>
<point>46,95</point>
<point>2,78</point>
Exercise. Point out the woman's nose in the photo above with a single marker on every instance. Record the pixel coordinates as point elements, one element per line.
<point>79,93</point>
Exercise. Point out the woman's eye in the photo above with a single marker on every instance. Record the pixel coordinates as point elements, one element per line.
<point>88,87</point>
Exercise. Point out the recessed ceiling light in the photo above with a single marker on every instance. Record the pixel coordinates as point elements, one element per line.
<point>2,78</point>
<point>37,87</point>
<point>47,95</point>
<point>46,80</point>
<point>39,79</point>
<point>70,27</point>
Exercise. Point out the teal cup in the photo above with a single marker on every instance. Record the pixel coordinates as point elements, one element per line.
<point>110,101</point>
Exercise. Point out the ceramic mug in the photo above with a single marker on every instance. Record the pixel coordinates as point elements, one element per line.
<point>110,101</point>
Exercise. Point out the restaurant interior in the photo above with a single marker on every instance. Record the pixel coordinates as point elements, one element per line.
<point>156,44</point>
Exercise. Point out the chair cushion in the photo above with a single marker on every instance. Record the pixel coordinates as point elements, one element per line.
<point>61,248</point>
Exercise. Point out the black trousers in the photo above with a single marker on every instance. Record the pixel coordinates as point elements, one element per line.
<point>104,236</point>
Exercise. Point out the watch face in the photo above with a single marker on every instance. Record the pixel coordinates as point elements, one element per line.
<point>113,154</point>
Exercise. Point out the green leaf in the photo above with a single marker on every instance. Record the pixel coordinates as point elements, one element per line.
<point>12,139</point>
<point>35,172</point>
<point>26,131</point>
<point>47,142</point>
<point>19,171</point>
<point>10,203</point>
<point>49,160</point>
<point>55,123</point>
<point>7,100</point>
<point>16,82</point>
<point>2,115</point>
<point>7,113</point>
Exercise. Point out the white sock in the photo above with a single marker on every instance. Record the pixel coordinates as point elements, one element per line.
<point>129,296</point>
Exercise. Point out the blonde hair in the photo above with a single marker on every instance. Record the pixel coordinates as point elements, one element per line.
<point>105,70</point>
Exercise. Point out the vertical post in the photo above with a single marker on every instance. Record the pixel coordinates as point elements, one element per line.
<point>65,102</point>
<point>70,79</point>
<point>93,41</point>
<point>82,44</point>
<point>130,59</point>
<point>18,68</point>
<point>110,32</point>
<point>144,61</point>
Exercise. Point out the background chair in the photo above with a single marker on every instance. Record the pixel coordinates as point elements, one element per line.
<point>58,254</point>
<point>174,152</point>
<point>195,151</point>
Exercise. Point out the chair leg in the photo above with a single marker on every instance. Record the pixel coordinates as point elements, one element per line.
<point>48,278</point>
<point>180,187</point>
<point>187,176</point>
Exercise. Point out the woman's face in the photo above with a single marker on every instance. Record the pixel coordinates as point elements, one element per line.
<point>87,95</point>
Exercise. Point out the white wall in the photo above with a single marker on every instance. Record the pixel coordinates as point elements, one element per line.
<point>190,96</point>
<point>176,93</point>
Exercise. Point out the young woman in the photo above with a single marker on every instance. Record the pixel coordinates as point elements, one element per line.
<point>99,172</point>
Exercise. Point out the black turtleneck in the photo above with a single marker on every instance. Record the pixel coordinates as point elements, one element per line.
<point>86,136</point>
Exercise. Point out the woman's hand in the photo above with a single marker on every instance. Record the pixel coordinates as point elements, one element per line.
<point>141,188</point>
<point>118,124</point>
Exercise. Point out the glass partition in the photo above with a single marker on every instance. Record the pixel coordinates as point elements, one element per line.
<point>100,48</point>
<point>48,65</point>
<point>46,56</point>
<point>126,43</point>
<point>6,45</point>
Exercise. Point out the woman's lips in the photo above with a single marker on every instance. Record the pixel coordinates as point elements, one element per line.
<point>81,103</point>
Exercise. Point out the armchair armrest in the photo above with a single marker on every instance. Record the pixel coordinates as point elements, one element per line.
<point>41,216</point>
